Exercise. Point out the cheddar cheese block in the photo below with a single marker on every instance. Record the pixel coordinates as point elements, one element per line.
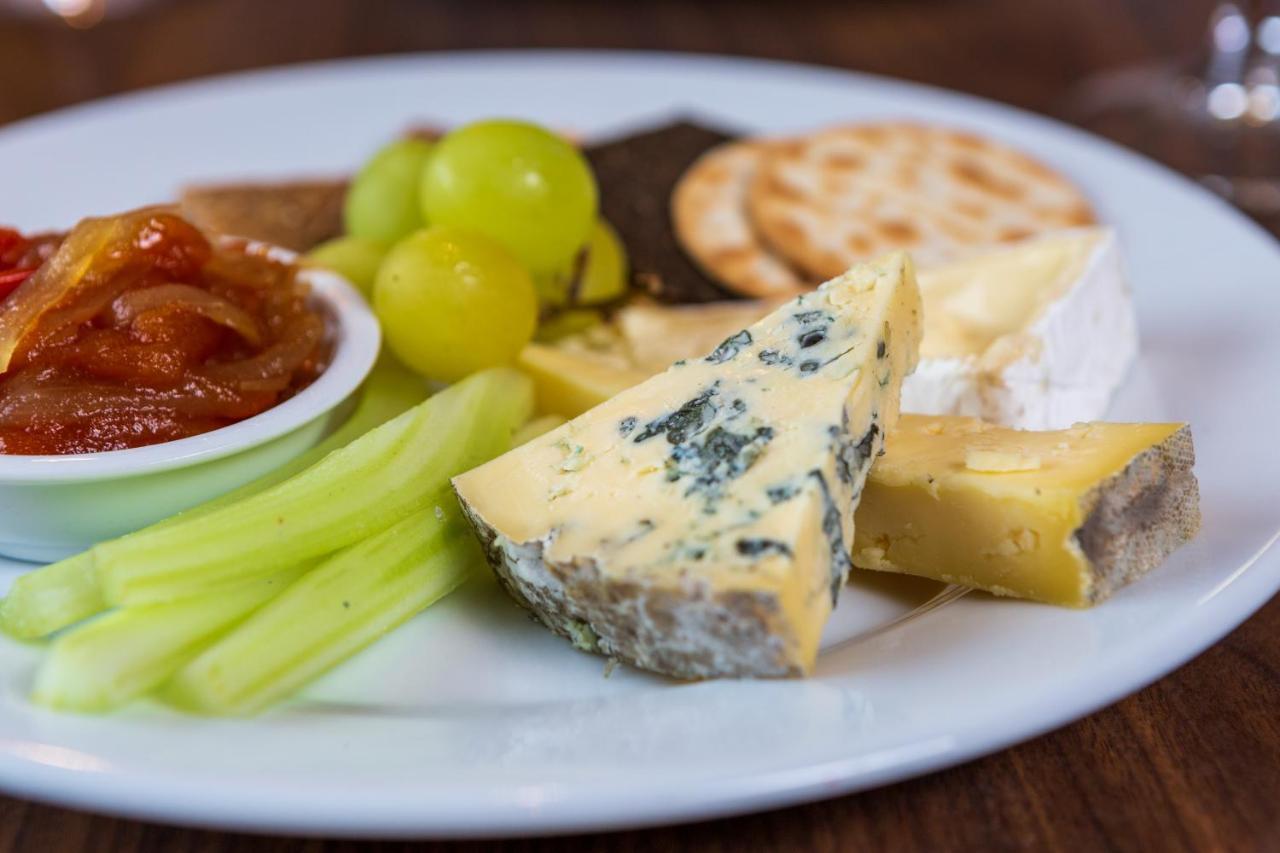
<point>1065,517</point>
<point>699,524</point>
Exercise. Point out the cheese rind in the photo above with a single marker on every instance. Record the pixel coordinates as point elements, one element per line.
<point>1105,504</point>
<point>699,524</point>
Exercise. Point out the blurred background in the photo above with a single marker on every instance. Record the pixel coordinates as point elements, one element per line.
<point>1193,82</point>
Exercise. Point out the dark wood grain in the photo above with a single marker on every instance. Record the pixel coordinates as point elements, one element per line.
<point>1191,763</point>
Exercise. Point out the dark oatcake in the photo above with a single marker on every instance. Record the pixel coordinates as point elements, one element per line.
<point>637,174</point>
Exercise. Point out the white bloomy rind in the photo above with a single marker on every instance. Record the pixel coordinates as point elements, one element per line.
<point>1068,362</point>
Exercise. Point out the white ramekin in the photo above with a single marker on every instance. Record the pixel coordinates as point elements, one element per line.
<point>54,506</point>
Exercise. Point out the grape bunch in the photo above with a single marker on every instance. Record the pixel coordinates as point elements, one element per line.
<point>461,243</point>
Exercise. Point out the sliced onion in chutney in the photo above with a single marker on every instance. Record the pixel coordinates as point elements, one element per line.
<point>137,329</point>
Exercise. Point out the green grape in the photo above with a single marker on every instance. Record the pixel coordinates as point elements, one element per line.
<point>604,276</point>
<point>523,186</point>
<point>453,301</point>
<point>382,203</point>
<point>594,275</point>
<point>555,286</point>
<point>354,258</point>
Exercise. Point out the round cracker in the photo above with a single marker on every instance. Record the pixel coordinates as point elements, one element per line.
<point>848,194</point>
<point>708,209</point>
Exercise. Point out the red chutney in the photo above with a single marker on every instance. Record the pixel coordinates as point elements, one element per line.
<point>136,330</point>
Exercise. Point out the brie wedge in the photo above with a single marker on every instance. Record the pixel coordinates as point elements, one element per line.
<point>1037,335</point>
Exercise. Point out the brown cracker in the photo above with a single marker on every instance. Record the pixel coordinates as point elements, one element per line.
<point>296,215</point>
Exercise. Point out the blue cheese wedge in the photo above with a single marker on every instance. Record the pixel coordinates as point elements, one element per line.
<point>699,524</point>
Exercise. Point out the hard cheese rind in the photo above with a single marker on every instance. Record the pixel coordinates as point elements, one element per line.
<point>698,524</point>
<point>1065,517</point>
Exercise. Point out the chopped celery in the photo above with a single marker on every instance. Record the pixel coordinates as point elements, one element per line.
<point>50,598</point>
<point>391,390</point>
<point>353,493</point>
<point>107,662</point>
<point>46,599</point>
<point>536,427</point>
<point>334,611</point>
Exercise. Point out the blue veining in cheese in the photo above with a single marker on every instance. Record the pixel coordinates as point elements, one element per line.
<point>699,524</point>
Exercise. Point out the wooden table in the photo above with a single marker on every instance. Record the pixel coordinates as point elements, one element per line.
<point>1191,763</point>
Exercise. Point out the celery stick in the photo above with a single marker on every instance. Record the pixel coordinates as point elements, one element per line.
<point>50,598</point>
<point>390,390</point>
<point>107,662</point>
<point>44,600</point>
<point>535,428</point>
<point>344,605</point>
<point>351,494</point>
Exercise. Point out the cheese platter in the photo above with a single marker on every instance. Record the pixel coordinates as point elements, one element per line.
<point>870,425</point>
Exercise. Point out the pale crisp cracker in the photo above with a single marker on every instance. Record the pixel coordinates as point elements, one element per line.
<point>708,209</point>
<point>849,194</point>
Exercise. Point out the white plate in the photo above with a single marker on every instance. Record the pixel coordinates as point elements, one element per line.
<point>471,720</point>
